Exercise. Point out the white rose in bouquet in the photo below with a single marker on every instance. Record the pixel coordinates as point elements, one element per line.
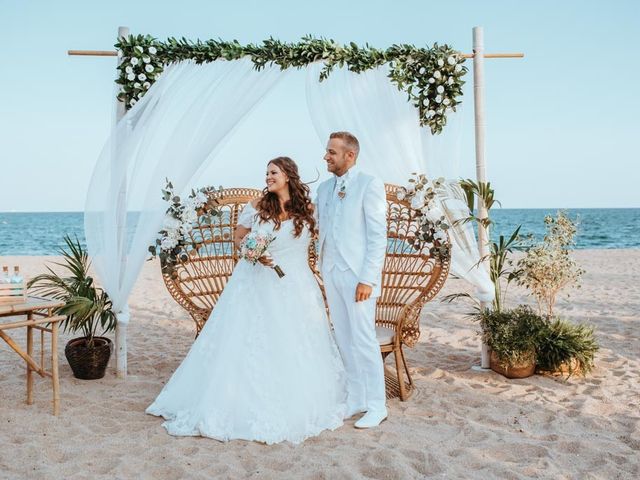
<point>152,50</point>
<point>446,101</point>
<point>148,68</point>
<point>437,74</point>
<point>440,62</point>
<point>128,69</point>
<point>432,80</point>
<point>451,60</point>
<point>440,89</point>
<point>142,77</point>
<point>131,76</point>
<point>438,98</point>
<point>134,61</point>
<point>457,68</point>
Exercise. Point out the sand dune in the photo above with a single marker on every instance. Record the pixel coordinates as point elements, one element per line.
<point>459,423</point>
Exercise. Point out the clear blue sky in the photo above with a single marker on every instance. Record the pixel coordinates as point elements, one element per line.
<point>562,124</point>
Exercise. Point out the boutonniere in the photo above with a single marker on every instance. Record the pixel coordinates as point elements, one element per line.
<point>342,192</point>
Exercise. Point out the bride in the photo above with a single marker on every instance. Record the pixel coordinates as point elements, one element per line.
<point>265,366</point>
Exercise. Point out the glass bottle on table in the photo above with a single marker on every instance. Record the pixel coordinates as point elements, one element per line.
<point>16,277</point>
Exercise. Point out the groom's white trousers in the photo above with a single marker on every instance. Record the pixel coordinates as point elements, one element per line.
<point>355,332</point>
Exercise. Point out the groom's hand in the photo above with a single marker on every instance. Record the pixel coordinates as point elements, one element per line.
<point>363,292</point>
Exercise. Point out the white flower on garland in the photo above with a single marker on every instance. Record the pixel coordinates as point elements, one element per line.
<point>148,68</point>
<point>133,102</point>
<point>146,59</point>
<point>152,50</point>
<point>134,61</point>
<point>437,74</point>
<point>440,89</point>
<point>450,80</point>
<point>431,113</point>
<point>423,70</point>
<point>139,49</point>
<point>131,76</point>
<point>438,98</point>
<point>146,85</point>
<point>457,68</point>
<point>446,101</point>
<point>142,77</point>
<point>136,85</point>
<point>440,62</point>
<point>128,69</point>
<point>451,60</point>
<point>425,102</point>
<point>432,80</point>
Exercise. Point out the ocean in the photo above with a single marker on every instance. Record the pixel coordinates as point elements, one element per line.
<point>41,233</point>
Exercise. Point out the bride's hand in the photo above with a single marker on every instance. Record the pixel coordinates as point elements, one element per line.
<point>266,260</point>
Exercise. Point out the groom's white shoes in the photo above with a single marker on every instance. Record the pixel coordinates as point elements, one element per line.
<point>371,419</point>
<point>351,411</point>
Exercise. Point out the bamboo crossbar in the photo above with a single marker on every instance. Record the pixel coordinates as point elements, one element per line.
<point>26,323</point>
<point>109,53</point>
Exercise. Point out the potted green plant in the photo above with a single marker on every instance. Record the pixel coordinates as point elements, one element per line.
<point>513,337</point>
<point>566,348</point>
<point>87,308</point>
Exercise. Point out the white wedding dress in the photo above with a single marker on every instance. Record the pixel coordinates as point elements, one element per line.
<point>265,366</point>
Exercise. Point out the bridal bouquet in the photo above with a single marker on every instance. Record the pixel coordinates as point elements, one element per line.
<point>255,245</point>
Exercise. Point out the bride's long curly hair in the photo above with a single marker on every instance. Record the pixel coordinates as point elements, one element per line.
<point>299,207</point>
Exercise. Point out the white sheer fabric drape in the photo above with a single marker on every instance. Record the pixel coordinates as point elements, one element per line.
<point>180,123</point>
<point>393,145</point>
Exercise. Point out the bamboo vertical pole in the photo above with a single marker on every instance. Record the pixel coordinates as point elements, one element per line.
<point>121,219</point>
<point>478,98</point>
<point>29,369</point>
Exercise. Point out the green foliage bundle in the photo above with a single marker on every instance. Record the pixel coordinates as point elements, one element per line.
<point>563,344</point>
<point>512,334</point>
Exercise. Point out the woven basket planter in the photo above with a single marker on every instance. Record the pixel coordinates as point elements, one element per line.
<point>88,363</point>
<point>512,371</point>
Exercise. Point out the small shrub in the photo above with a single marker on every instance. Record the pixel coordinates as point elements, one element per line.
<point>565,344</point>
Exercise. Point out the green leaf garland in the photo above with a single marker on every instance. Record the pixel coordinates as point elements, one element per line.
<point>432,77</point>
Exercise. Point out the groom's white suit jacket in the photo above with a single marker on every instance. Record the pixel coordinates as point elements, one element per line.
<point>356,224</point>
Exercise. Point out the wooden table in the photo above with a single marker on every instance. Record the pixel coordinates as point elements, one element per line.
<point>39,315</point>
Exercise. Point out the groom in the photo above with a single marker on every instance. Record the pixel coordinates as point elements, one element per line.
<point>353,240</point>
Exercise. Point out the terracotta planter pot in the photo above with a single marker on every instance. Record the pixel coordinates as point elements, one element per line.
<point>88,363</point>
<point>513,371</point>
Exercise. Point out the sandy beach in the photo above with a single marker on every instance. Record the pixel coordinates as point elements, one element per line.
<point>460,423</point>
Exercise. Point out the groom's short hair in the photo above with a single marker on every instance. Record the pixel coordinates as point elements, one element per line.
<point>349,140</point>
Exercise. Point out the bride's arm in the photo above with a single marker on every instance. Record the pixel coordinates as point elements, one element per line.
<point>239,234</point>
<point>243,226</point>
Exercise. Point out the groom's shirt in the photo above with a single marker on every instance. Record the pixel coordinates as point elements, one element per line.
<point>331,255</point>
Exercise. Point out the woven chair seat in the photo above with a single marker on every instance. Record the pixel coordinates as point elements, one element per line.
<point>385,335</point>
<point>410,277</point>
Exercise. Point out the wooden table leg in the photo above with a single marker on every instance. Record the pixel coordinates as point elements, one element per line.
<point>54,368</point>
<point>29,369</point>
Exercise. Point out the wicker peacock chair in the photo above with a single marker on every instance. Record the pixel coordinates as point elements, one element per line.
<point>410,278</point>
